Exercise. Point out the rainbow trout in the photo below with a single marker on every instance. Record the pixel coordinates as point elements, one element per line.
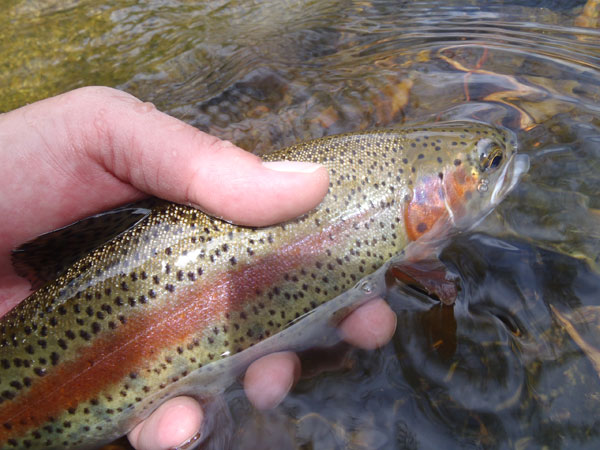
<point>180,302</point>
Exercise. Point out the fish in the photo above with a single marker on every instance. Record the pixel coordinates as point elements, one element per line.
<point>181,302</point>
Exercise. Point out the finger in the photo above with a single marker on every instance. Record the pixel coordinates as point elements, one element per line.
<point>268,380</point>
<point>163,156</point>
<point>370,326</point>
<point>171,425</point>
<point>95,148</point>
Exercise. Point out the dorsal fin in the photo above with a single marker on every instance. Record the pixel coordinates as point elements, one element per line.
<point>47,256</point>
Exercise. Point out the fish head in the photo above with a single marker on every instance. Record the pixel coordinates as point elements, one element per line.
<point>471,170</point>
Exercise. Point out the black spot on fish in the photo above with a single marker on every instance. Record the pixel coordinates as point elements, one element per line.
<point>422,227</point>
<point>85,335</point>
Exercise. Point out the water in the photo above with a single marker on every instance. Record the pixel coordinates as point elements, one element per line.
<point>497,370</point>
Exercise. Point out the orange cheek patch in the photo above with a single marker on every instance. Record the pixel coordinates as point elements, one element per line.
<point>425,208</point>
<point>459,187</point>
<point>431,193</point>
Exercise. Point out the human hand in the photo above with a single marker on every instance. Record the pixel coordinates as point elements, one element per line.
<point>92,149</point>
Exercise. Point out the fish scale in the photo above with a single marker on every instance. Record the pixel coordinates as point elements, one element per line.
<point>180,293</point>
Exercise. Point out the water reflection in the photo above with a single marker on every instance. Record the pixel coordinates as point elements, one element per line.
<point>503,368</point>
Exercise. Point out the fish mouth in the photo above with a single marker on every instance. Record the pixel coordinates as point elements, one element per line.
<point>510,176</point>
<point>517,166</point>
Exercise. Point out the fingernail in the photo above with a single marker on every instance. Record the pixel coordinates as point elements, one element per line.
<point>292,166</point>
<point>190,443</point>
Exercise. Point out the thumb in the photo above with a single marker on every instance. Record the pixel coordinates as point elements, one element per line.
<point>165,157</point>
<point>94,148</point>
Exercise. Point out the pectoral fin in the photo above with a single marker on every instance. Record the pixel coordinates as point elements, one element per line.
<point>430,276</point>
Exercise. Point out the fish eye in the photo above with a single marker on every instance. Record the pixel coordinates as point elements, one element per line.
<point>492,159</point>
<point>496,161</point>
